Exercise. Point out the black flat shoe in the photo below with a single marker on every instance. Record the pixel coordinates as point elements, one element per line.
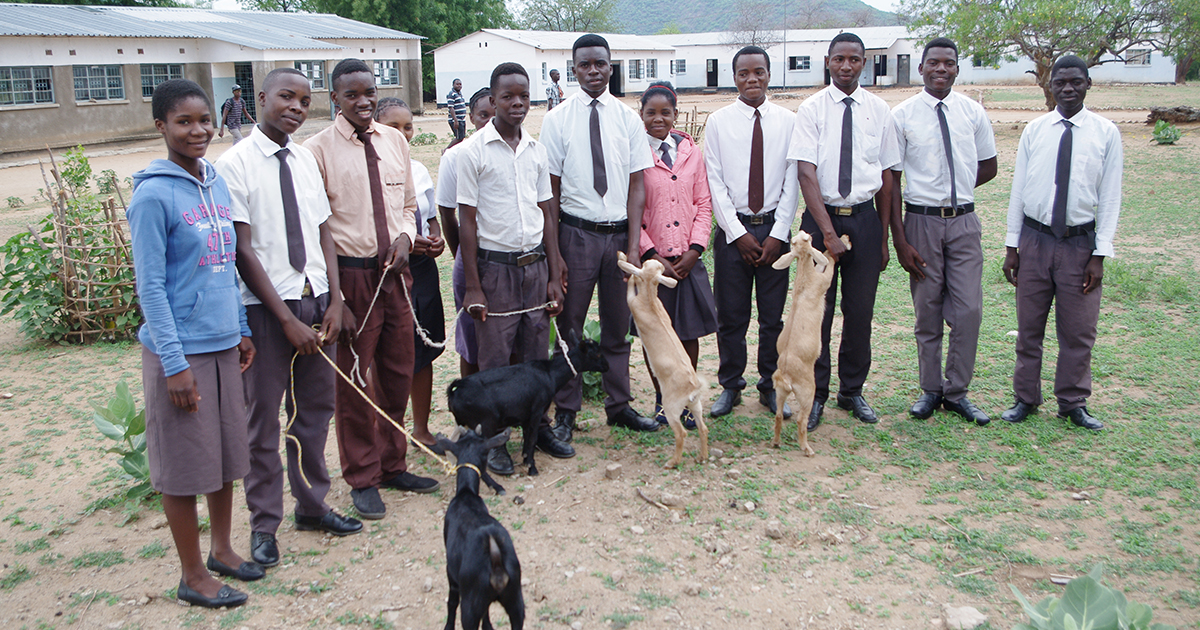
<point>264,549</point>
<point>564,425</point>
<point>331,523</point>
<point>1081,418</point>
<point>767,399</point>
<point>247,572</point>
<point>858,406</point>
<point>411,483</point>
<point>630,419</point>
<point>1018,412</point>
<point>728,399</point>
<point>814,416</point>
<point>967,410</point>
<point>500,462</point>
<point>926,404</point>
<point>227,597</point>
<point>549,444</point>
<point>368,503</point>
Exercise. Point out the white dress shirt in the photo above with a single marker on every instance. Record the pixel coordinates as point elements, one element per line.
<point>656,146</point>
<point>727,137</point>
<point>566,134</point>
<point>817,139</point>
<point>252,172</point>
<point>1094,192</point>
<point>505,186</point>
<point>923,151</point>
<point>426,196</point>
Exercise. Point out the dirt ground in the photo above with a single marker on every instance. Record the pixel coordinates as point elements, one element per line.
<point>740,541</point>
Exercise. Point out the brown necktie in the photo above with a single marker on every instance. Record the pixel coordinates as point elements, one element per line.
<point>377,204</point>
<point>846,163</point>
<point>291,213</point>
<point>1062,182</point>
<point>599,176</point>
<point>755,192</point>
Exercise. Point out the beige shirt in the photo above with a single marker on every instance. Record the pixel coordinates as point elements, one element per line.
<point>342,159</point>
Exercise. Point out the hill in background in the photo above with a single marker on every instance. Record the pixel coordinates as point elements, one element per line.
<point>639,17</point>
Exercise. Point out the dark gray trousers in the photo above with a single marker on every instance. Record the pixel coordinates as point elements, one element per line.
<point>266,382</point>
<point>520,338</point>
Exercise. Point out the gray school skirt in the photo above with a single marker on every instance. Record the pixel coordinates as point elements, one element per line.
<point>196,453</point>
<point>690,305</point>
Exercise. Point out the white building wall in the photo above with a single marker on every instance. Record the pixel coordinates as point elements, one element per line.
<point>1161,69</point>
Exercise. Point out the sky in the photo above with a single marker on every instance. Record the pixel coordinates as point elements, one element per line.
<point>883,5</point>
<point>232,5</point>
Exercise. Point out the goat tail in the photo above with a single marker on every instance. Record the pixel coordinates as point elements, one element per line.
<point>499,577</point>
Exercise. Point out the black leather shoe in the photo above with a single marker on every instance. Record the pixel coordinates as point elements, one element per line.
<point>247,572</point>
<point>967,410</point>
<point>263,549</point>
<point>767,399</point>
<point>564,425</point>
<point>728,399</point>
<point>368,503</point>
<point>549,444</point>
<point>331,523</point>
<point>630,419</point>
<point>500,462</point>
<point>227,597</point>
<point>1018,412</point>
<point>411,483</point>
<point>858,406</point>
<point>926,404</point>
<point>1081,418</point>
<point>814,416</point>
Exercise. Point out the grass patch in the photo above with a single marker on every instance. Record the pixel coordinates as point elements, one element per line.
<point>17,574</point>
<point>153,550</point>
<point>101,559</point>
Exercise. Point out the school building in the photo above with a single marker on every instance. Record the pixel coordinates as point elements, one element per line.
<point>637,61</point>
<point>81,74</point>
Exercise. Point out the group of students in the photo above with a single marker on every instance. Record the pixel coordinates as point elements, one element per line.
<point>335,241</point>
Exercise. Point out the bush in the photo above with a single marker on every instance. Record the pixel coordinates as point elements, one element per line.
<point>1087,604</point>
<point>593,382</point>
<point>106,182</point>
<point>14,201</point>
<point>424,139</point>
<point>122,422</point>
<point>1166,133</point>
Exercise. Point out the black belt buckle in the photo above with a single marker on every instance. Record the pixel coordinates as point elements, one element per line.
<point>528,258</point>
<point>757,219</point>
<point>948,212</point>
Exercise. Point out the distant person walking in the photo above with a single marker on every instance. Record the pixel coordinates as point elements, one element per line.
<point>456,109</point>
<point>232,113</point>
<point>554,93</point>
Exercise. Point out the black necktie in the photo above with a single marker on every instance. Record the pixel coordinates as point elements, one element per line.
<point>291,213</point>
<point>666,155</point>
<point>599,177</point>
<point>846,166</point>
<point>941,113</point>
<point>1062,181</point>
<point>754,194</point>
<point>378,207</point>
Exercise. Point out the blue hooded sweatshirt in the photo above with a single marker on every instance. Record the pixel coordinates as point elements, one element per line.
<point>184,254</point>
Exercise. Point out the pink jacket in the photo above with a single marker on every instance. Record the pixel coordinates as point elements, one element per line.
<point>678,210</point>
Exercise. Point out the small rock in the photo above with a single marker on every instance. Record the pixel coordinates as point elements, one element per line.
<point>749,506</point>
<point>733,473</point>
<point>577,625</point>
<point>159,523</point>
<point>672,617</point>
<point>774,530</point>
<point>637,529</point>
<point>428,585</point>
<point>143,600</point>
<point>294,549</point>
<point>965,618</point>
<point>391,616</point>
<point>526,581</point>
<point>724,461</point>
<point>599,517</point>
<point>692,588</point>
<point>716,452</point>
<point>116,625</point>
<point>671,500</point>
<point>808,573</point>
<point>6,395</point>
<point>612,471</point>
<point>617,576</point>
<point>1011,333</point>
<point>675,517</point>
<point>725,561</point>
<point>624,513</point>
<point>519,500</point>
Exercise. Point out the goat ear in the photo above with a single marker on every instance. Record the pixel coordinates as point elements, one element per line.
<point>442,445</point>
<point>668,281</point>
<point>846,241</point>
<point>821,262</point>
<point>497,440</point>
<point>628,268</point>
<point>784,261</point>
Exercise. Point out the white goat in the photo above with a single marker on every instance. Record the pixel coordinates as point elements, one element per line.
<point>800,342</point>
<point>669,362</point>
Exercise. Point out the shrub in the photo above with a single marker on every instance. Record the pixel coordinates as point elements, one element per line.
<point>122,422</point>
<point>1166,133</point>
<point>14,201</point>
<point>424,139</point>
<point>106,182</point>
<point>1087,603</point>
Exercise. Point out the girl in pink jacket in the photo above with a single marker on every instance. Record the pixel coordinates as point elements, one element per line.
<point>676,224</point>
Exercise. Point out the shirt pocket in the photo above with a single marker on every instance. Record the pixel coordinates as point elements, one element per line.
<point>214,314</point>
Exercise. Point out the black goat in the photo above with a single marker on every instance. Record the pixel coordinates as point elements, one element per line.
<point>481,563</point>
<point>519,395</point>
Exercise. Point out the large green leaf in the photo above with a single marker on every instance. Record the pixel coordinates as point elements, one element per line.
<point>137,425</point>
<point>1089,603</point>
<point>1037,616</point>
<point>1138,616</point>
<point>122,403</point>
<point>110,430</point>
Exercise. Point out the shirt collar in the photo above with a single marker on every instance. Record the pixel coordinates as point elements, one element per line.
<point>837,95</point>
<point>1077,120</point>
<point>347,130</point>
<point>267,145</point>
<point>748,111</point>
<point>656,144</point>
<point>932,101</point>
<point>489,133</point>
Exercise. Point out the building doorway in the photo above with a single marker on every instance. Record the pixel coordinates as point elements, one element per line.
<point>713,77</point>
<point>243,75</point>
<point>902,71</point>
<point>616,83</point>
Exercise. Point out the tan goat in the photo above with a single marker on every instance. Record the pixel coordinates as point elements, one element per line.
<point>669,362</point>
<point>800,342</point>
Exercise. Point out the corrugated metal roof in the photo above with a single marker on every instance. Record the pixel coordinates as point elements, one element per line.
<point>874,37</point>
<point>254,29</point>
<point>563,40</point>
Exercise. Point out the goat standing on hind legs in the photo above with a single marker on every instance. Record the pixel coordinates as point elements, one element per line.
<point>481,563</point>
<point>800,342</point>
<point>669,362</point>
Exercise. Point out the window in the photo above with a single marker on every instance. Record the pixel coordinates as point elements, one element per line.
<point>387,72</point>
<point>24,85</point>
<point>635,69</point>
<point>314,71</point>
<point>680,66</point>
<point>1137,57</point>
<point>988,61</point>
<point>545,74</point>
<point>570,71</point>
<point>153,74</point>
<point>803,64</point>
<point>98,83</point>
<point>651,68</point>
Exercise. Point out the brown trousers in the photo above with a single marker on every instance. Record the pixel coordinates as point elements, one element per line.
<point>518,338</point>
<point>1052,271</point>
<point>371,449</point>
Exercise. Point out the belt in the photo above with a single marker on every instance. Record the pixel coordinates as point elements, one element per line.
<point>759,218</point>
<point>513,258</point>
<point>946,212</point>
<point>608,227</point>
<point>849,211</point>
<point>307,291</point>
<point>1074,230</point>
<point>358,263</point>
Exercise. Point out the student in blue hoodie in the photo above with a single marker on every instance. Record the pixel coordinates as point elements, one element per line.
<point>195,342</point>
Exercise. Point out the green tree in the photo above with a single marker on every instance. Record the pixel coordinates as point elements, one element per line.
<point>1181,34</point>
<point>670,28</point>
<point>577,16</point>
<point>1040,30</point>
<point>283,6</point>
<point>110,3</point>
